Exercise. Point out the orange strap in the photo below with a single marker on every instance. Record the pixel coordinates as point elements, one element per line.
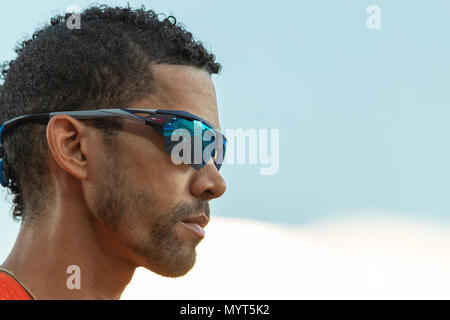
<point>10,289</point>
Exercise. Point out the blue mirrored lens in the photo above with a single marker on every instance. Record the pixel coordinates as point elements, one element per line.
<point>194,142</point>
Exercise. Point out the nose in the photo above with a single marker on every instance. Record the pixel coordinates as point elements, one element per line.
<point>208,183</point>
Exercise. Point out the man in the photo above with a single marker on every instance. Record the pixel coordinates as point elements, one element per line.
<point>99,193</point>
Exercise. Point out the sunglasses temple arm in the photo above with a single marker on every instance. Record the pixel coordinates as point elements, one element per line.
<point>80,115</point>
<point>100,113</point>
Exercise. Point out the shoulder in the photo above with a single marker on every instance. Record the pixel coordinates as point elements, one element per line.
<point>10,289</point>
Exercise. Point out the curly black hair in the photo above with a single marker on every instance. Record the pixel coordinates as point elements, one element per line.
<point>105,63</point>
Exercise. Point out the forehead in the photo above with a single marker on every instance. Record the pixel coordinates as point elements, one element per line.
<point>182,88</point>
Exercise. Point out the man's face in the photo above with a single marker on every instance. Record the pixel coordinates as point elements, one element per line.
<point>140,195</point>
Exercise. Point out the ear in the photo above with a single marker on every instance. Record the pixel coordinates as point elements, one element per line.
<point>66,138</point>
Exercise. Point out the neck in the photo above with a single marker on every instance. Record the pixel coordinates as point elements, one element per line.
<point>46,249</point>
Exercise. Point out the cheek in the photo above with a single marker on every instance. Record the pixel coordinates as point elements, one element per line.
<point>152,170</point>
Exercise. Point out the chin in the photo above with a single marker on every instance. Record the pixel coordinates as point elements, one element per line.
<point>173,267</point>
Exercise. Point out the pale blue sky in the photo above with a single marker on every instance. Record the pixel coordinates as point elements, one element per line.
<point>363,114</point>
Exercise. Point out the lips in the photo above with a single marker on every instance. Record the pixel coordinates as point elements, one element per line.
<point>201,220</point>
<point>196,224</point>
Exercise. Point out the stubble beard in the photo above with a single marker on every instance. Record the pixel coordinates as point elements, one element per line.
<point>122,204</point>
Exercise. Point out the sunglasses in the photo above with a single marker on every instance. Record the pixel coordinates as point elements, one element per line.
<point>187,138</point>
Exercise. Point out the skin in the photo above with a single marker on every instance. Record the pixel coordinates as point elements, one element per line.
<point>118,205</point>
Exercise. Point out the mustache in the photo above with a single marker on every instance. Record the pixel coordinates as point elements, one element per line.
<point>185,209</point>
